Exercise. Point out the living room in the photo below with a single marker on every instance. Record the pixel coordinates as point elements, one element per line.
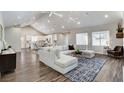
<point>52,35</point>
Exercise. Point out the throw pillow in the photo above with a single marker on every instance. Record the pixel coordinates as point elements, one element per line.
<point>71,47</point>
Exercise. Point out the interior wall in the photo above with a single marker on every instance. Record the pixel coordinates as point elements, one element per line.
<point>100,49</point>
<point>2,23</point>
<point>61,39</point>
<point>1,32</point>
<point>14,35</point>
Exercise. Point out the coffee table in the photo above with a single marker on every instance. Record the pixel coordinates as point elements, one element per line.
<point>74,54</point>
<point>85,53</point>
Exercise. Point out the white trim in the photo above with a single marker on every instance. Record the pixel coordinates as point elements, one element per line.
<point>18,50</point>
<point>100,53</point>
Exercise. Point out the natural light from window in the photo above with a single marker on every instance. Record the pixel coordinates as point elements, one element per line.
<point>82,38</point>
<point>100,38</point>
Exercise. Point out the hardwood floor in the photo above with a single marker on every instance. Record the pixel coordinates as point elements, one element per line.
<point>29,69</point>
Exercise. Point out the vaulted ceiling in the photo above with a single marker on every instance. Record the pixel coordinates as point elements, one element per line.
<point>52,22</point>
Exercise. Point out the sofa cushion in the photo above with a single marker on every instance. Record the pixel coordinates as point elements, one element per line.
<point>62,48</point>
<point>57,53</point>
<point>66,61</point>
<point>67,52</point>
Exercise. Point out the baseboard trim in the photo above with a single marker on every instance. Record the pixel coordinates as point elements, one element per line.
<point>101,53</point>
<point>19,50</point>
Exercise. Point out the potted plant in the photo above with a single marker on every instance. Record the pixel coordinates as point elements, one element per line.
<point>78,51</point>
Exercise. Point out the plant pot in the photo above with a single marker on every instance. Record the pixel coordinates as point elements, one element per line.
<point>78,52</point>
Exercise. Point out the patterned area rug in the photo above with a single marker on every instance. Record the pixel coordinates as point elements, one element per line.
<point>87,69</point>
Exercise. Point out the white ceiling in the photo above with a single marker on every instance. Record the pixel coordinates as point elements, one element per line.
<point>69,20</point>
<point>13,18</point>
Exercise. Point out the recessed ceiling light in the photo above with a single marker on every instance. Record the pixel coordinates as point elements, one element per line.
<point>34,18</point>
<point>86,13</point>
<point>78,23</point>
<point>48,21</point>
<point>106,16</point>
<point>19,17</point>
<point>61,16</point>
<point>70,18</point>
<point>63,26</point>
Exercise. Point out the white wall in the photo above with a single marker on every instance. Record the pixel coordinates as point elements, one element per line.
<point>1,22</point>
<point>113,40</point>
<point>14,35</point>
<point>61,39</point>
<point>1,19</point>
<point>1,43</point>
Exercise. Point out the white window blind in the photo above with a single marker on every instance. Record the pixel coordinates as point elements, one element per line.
<point>82,38</point>
<point>100,38</point>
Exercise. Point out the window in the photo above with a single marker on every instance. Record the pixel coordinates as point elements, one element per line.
<point>100,38</point>
<point>82,38</point>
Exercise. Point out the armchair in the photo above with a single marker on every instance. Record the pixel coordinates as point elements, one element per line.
<point>117,52</point>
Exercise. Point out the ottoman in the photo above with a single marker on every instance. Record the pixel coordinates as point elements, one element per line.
<point>89,53</point>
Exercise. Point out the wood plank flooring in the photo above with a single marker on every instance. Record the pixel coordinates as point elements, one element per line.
<point>29,69</point>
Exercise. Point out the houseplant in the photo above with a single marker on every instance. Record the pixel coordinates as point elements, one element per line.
<point>78,51</point>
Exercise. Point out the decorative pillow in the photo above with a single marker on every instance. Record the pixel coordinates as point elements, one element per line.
<point>71,47</point>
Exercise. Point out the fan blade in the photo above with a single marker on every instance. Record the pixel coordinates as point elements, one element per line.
<point>57,14</point>
<point>50,14</point>
<point>74,19</point>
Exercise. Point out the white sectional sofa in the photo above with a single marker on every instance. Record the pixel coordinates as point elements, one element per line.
<point>60,62</point>
<point>58,58</point>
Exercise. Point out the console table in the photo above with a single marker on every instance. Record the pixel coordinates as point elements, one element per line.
<point>7,61</point>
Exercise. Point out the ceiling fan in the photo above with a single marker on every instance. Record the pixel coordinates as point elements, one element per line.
<point>75,20</point>
<point>51,13</point>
